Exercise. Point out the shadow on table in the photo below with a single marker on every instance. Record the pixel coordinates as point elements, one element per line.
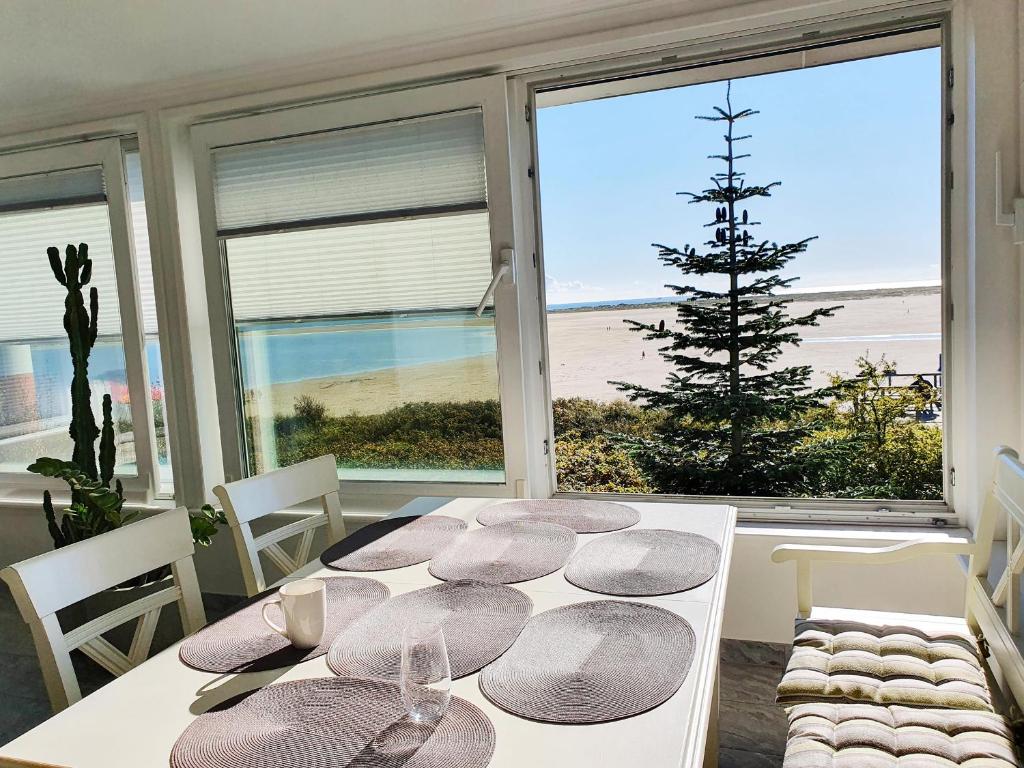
<point>228,689</point>
<point>395,746</point>
<point>365,536</point>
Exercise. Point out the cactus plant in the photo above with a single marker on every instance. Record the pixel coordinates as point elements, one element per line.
<point>95,507</point>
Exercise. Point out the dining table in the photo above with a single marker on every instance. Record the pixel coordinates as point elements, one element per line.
<point>135,720</point>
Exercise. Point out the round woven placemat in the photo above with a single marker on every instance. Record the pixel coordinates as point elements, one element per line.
<point>592,662</point>
<point>480,621</point>
<point>580,515</point>
<point>506,553</point>
<point>393,543</point>
<point>329,723</point>
<point>242,641</point>
<point>647,561</point>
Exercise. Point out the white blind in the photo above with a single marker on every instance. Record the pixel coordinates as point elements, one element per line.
<point>441,262</point>
<point>427,162</point>
<point>40,211</point>
<point>44,189</point>
<point>31,299</point>
<point>140,234</point>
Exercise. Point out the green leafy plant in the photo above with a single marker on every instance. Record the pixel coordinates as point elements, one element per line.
<point>97,499</point>
<point>96,507</point>
<point>204,524</point>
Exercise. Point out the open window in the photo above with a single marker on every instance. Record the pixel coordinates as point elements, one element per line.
<point>638,335</point>
<point>348,246</point>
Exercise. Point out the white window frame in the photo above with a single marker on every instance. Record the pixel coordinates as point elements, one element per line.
<point>742,55</point>
<point>487,93</point>
<point>108,154</point>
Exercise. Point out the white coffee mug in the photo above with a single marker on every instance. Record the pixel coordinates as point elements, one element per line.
<point>304,605</point>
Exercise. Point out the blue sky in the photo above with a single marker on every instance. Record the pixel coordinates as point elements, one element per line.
<point>856,145</point>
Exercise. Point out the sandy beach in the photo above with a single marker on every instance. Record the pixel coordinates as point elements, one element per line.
<point>588,348</point>
<point>471,378</point>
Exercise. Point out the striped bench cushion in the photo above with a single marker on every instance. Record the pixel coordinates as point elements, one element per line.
<point>853,662</point>
<point>868,736</point>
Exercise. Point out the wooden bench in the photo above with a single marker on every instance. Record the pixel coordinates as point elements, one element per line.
<point>870,688</point>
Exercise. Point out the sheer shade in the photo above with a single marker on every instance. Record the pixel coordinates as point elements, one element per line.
<point>435,263</point>
<point>434,162</point>
<point>45,210</point>
<point>52,189</point>
<point>140,237</point>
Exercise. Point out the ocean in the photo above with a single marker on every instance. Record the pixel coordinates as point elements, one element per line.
<point>276,352</point>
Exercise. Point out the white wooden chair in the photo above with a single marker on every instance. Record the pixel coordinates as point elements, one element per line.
<point>988,612</point>
<point>45,584</point>
<point>254,497</point>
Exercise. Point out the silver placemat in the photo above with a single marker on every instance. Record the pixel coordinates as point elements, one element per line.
<point>592,662</point>
<point>242,641</point>
<point>480,621</point>
<point>394,542</point>
<point>329,723</point>
<point>505,553</point>
<point>646,561</point>
<point>581,515</point>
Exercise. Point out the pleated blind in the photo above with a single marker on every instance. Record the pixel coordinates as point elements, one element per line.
<point>140,234</point>
<point>424,242</point>
<point>31,300</point>
<point>429,162</point>
<point>52,189</point>
<point>435,263</point>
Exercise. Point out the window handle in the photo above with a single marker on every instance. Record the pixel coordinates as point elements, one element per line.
<point>505,267</point>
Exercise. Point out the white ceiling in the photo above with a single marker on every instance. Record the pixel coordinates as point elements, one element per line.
<point>56,54</point>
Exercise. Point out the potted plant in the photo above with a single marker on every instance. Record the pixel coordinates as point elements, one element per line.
<point>97,498</point>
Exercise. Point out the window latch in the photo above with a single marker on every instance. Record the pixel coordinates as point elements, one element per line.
<point>1014,219</point>
<point>506,266</point>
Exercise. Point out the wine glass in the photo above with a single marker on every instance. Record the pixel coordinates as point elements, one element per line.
<point>426,678</point>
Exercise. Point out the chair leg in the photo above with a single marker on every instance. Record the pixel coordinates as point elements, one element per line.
<point>55,663</point>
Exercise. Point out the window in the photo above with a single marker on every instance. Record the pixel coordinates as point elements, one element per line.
<point>147,302</point>
<point>641,351</point>
<point>355,258</point>
<point>69,195</point>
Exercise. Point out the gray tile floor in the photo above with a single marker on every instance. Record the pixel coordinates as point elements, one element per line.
<point>752,729</point>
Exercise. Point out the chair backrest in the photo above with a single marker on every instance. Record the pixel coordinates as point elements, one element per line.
<point>254,497</point>
<point>43,585</point>
<point>1003,502</point>
<point>993,610</point>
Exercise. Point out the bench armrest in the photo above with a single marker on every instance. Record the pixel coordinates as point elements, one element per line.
<point>806,554</point>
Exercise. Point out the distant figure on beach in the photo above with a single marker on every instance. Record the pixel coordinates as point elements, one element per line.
<point>643,354</point>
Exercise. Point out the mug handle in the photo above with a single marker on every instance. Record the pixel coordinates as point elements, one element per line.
<point>279,629</point>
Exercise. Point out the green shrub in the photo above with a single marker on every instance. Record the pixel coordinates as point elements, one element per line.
<point>864,444</point>
<point>414,435</point>
<point>596,465</point>
<point>578,418</point>
<point>310,410</point>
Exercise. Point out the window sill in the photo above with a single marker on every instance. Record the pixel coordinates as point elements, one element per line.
<point>22,504</point>
<point>846,534</point>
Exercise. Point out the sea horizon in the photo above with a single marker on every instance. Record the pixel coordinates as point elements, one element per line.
<point>861,290</point>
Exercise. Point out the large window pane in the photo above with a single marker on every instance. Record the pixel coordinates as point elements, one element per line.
<point>643,408</point>
<point>35,363</point>
<point>353,315</point>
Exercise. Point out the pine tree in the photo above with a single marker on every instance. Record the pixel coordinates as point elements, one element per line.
<point>734,425</point>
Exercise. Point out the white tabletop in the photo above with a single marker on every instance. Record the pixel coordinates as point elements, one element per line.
<point>135,720</point>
